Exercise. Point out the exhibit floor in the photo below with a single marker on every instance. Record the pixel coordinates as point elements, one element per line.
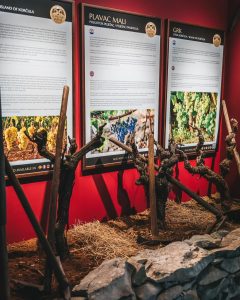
<point>92,243</point>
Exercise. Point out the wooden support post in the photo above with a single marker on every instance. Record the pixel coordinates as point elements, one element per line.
<point>152,196</point>
<point>4,280</point>
<point>209,193</point>
<point>229,129</point>
<point>194,196</point>
<point>57,169</point>
<point>55,186</point>
<point>120,144</point>
<point>129,150</point>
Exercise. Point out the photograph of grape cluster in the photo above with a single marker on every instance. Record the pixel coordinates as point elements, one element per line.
<point>189,110</point>
<point>121,124</point>
<point>17,146</point>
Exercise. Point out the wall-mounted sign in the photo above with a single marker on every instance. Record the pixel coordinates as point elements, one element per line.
<point>121,62</point>
<point>195,63</point>
<point>35,64</point>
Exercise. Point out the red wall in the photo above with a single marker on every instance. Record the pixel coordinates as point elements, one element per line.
<point>101,196</point>
<point>232,88</point>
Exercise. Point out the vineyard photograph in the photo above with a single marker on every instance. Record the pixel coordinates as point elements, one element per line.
<point>121,124</point>
<point>189,110</point>
<point>17,145</point>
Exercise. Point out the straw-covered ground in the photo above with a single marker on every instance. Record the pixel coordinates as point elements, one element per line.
<point>94,242</point>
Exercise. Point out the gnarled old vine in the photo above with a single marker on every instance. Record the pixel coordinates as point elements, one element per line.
<point>217,179</point>
<point>69,164</point>
<point>168,159</point>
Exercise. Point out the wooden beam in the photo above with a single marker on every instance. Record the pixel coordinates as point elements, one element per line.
<point>129,150</point>
<point>194,196</point>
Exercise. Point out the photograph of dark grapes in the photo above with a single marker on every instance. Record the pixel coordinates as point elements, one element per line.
<point>121,124</point>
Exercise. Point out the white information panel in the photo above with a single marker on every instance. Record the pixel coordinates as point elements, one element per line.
<point>195,62</point>
<point>35,64</point>
<point>122,65</point>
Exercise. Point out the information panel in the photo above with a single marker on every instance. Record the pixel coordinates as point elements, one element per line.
<point>121,88</point>
<point>195,62</point>
<point>35,64</point>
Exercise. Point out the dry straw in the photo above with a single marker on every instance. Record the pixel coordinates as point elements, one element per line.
<point>98,241</point>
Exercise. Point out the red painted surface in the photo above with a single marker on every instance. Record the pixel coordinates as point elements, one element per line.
<point>232,88</point>
<point>88,202</point>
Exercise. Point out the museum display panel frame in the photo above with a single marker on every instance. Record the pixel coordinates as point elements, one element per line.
<point>44,65</point>
<point>188,102</point>
<point>128,25</point>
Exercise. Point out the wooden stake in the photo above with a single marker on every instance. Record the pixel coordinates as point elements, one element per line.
<point>194,196</point>
<point>129,150</point>
<point>57,169</point>
<point>4,280</point>
<point>152,196</point>
<point>55,187</point>
<point>229,129</point>
<point>60,276</point>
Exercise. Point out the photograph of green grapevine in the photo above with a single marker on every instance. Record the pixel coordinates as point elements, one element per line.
<point>189,110</point>
<point>120,124</point>
<point>17,146</point>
